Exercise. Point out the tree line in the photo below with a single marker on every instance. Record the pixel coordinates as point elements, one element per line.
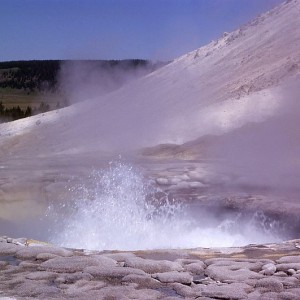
<point>40,75</point>
<point>43,75</point>
<point>16,112</point>
<point>29,75</point>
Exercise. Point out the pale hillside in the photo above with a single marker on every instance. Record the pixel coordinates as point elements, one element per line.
<point>238,78</point>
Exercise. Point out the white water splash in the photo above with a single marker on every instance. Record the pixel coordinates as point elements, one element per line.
<point>120,211</point>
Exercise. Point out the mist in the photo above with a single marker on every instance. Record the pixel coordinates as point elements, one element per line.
<point>117,208</point>
<point>254,155</point>
<point>81,80</point>
<point>234,90</point>
<point>266,153</point>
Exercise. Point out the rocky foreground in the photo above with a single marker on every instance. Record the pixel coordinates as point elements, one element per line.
<point>31,269</point>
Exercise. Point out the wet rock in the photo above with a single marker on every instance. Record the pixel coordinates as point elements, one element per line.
<point>177,297</point>
<point>174,276</point>
<point>144,280</point>
<point>36,243</point>
<point>114,292</point>
<point>8,249</point>
<point>280,274</point>
<point>287,296</point>
<point>270,285</point>
<point>295,291</point>
<point>286,266</point>
<point>195,268</point>
<point>291,272</point>
<point>32,252</point>
<point>152,266</point>
<point>288,259</point>
<point>269,296</point>
<point>28,265</point>
<point>71,264</point>
<point>103,260</point>
<point>124,275</point>
<point>119,257</point>
<point>19,241</point>
<point>255,295</point>
<point>11,270</point>
<point>3,239</point>
<point>112,272</point>
<point>71,278</point>
<point>3,264</point>
<point>144,294</point>
<point>251,264</point>
<point>225,291</point>
<point>268,269</point>
<point>81,287</point>
<point>251,282</point>
<point>235,271</point>
<point>41,276</point>
<point>187,261</point>
<point>45,256</point>
<point>184,290</point>
<point>16,280</point>
<point>31,288</point>
<point>297,275</point>
<point>201,280</point>
<point>289,282</point>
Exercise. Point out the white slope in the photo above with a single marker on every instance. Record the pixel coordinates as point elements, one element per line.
<point>221,86</point>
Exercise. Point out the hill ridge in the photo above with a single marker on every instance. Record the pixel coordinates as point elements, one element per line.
<point>211,90</point>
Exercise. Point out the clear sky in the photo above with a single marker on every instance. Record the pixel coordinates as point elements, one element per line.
<point>117,29</point>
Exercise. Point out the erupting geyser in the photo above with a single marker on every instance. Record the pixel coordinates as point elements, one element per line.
<point>119,209</point>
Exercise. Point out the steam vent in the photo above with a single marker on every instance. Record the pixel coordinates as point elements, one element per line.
<point>180,183</point>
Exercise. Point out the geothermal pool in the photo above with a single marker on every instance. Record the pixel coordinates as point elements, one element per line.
<point>115,206</point>
<point>119,209</point>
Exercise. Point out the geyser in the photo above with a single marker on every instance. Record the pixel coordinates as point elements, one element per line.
<point>119,209</point>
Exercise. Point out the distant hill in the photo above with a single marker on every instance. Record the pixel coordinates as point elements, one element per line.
<point>41,74</point>
<point>244,76</point>
<point>40,85</point>
<point>29,75</point>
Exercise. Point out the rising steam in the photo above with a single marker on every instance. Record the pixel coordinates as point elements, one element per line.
<point>119,210</point>
<point>267,153</point>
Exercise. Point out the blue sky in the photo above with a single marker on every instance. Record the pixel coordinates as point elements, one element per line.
<point>117,29</point>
